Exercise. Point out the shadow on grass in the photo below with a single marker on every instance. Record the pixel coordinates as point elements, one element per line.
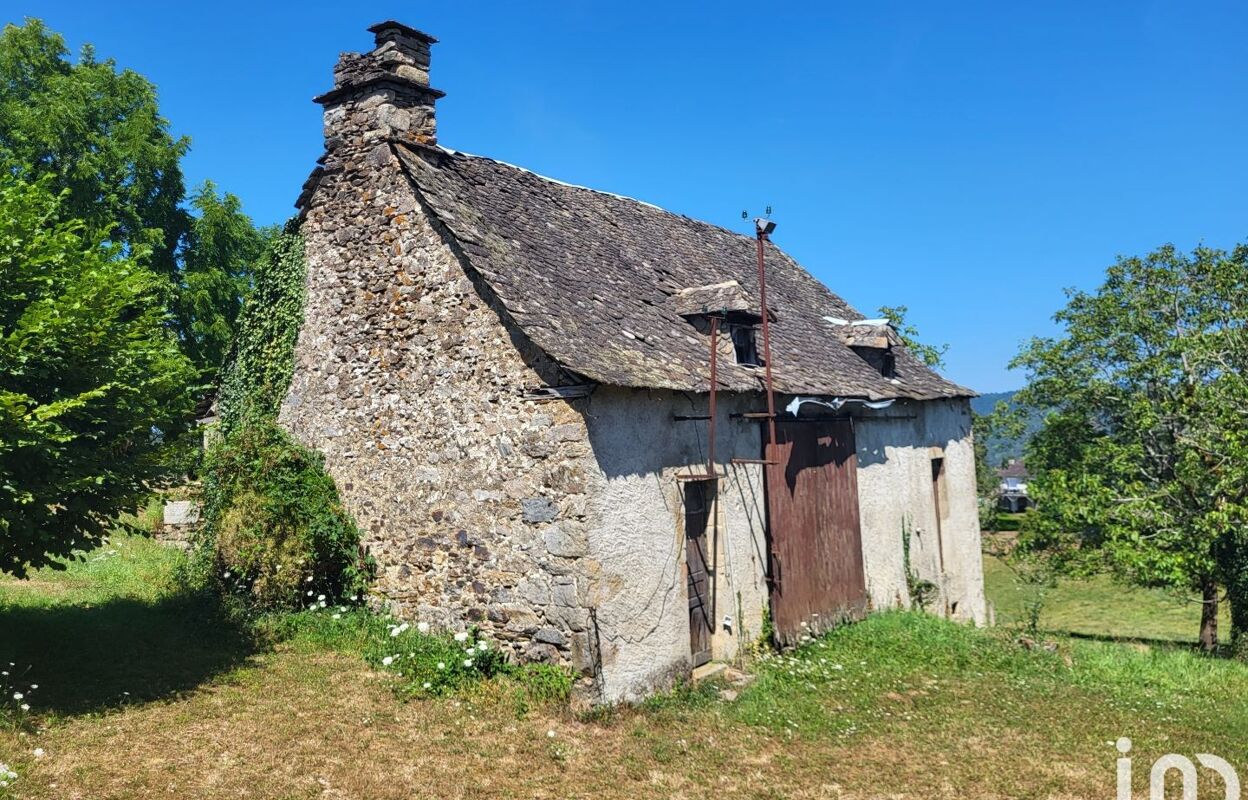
<point>87,657</point>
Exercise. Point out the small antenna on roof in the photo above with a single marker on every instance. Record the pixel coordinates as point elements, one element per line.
<point>766,214</point>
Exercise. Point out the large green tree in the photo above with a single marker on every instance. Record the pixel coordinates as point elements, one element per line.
<point>93,383</point>
<point>96,134</point>
<point>1141,465</point>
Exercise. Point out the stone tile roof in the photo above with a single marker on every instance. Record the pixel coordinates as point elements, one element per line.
<point>594,280</point>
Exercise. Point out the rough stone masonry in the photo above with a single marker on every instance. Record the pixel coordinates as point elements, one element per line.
<point>411,384</point>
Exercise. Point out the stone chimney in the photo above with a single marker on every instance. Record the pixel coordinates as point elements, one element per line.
<point>382,94</point>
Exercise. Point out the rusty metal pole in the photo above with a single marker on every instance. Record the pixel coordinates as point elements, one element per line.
<point>771,398</point>
<point>710,445</point>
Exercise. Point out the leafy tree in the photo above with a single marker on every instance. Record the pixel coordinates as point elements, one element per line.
<point>1141,465</point>
<point>222,250</point>
<point>931,355</point>
<point>97,135</point>
<point>92,380</point>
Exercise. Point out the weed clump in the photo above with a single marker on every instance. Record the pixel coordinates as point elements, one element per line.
<point>276,532</point>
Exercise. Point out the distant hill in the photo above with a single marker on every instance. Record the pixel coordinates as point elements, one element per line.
<point>1001,449</point>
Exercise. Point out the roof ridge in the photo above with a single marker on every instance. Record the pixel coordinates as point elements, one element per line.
<point>616,195</point>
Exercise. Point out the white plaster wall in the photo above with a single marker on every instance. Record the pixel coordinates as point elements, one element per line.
<point>895,448</point>
<point>636,533</point>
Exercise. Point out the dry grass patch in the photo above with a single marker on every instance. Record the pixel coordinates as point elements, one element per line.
<point>898,706</point>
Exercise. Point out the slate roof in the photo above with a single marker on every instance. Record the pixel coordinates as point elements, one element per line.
<point>594,280</point>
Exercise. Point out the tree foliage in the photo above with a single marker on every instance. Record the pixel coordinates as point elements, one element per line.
<point>96,134</point>
<point>92,380</point>
<point>930,354</point>
<point>222,248</point>
<point>1140,465</point>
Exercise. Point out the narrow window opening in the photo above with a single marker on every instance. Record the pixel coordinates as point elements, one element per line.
<point>880,358</point>
<point>745,345</point>
<point>941,501</point>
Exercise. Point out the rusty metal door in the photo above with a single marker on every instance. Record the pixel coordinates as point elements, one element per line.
<point>817,576</point>
<point>699,500</point>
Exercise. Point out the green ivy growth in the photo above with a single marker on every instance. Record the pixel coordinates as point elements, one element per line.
<point>275,529</point>
<point>259,369</point>
<point>921,590</point>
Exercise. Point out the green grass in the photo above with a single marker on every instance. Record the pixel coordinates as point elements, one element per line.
<point>900,704</point>
<point>424,664</point>
<point>835,685</point>
<point>115,628</point>
<point>1097,607</point>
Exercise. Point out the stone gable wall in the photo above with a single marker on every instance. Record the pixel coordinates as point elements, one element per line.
<point>409,379</point>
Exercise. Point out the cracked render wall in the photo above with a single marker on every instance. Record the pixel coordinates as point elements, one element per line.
<point>637,538</point>
<point>896,494</point>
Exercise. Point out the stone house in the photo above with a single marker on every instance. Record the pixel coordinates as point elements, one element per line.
<point>510,379</point>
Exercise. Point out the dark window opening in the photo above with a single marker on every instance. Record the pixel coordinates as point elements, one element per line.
<point>880,359</point>
<point>940,500</point>
<point>745,345</point>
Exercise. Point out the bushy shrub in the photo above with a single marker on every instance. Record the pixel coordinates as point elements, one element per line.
<point>276,530</point>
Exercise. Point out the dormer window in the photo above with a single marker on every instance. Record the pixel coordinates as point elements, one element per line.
<point>745,345</point>
<point>880,358</point>
<point>872,340</point>
<point>734,312</point>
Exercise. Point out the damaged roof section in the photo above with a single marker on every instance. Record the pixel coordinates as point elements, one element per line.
<point>600,282</point>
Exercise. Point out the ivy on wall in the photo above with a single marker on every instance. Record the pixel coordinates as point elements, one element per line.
<point>260,368</point>
<point>275,528</point>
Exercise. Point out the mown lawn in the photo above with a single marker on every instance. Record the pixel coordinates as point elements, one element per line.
<point>1098,608</point>
<point>144,692</point>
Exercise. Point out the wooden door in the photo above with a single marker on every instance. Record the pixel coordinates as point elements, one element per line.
<point>815,540</point>
<point>699,506</point>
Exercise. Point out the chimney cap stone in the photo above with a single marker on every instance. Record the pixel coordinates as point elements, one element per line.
<point>398,27</point>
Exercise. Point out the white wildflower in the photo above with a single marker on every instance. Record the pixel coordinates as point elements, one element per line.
<point>309,593</point>
<point>482,646</point>
<point>320,597</point>
<point>423,627</point>
<point>225,574</point>
<point>34,686</point>
<point>441,665</point>
<point>25,706</point>
<point>467,662</point>
<point>307,579</point>
<point>550,734</point>
<point>337,616</point>
<point>18,695</point>
<point>387,661</point>
<point>428,685</point>
<point>38,751</point>
<point>462,636</point>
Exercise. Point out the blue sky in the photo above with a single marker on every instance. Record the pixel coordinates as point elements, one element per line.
<point>968,160</point>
